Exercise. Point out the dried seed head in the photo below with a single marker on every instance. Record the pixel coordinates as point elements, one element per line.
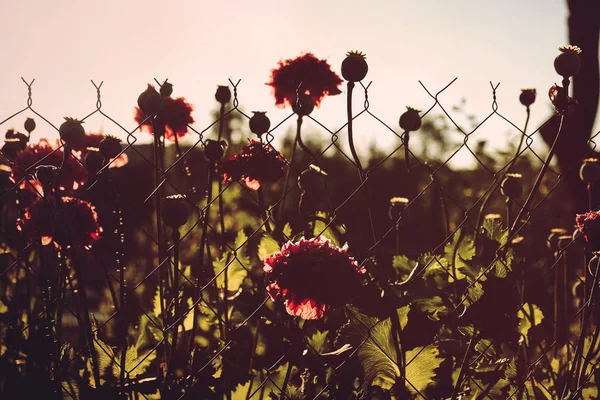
<point>259,122</point>
<point>71,132</point>
<point>354,66</point>
<point>568,63</point>
<point>149,101</point>
<point>527,97</point>
<point>304,105</point>
<point>29,125</point>
<point>511,185</point>
<point>397,206</point>
<point>94,160</point>
<point>410,120</point>
<point>110,147</point>
<point>223,94</point>
<point>214,150</point>
<point>175,211</point>
<point>46,174</point>
<point>166,89</point>
<point>589,172</point>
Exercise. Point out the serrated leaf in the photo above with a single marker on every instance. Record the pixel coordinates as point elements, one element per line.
<point>234,265</point>
<point>433,307</point>
<point>458,252</point>
<point>494,231</point>
<point>421,365</point>
<point>261,382</point>
<point>473,293</point>
<point>267,247</point>
<point>317,342</point>
<point>70,389</point>
<point>403,266</point>
<point>323,229</point>
<point>287,230</point>
<point>526,318</point>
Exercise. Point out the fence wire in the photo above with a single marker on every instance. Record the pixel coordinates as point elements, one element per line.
<point>175,292</point>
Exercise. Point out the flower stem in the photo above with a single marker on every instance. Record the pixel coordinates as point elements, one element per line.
<point>281,209</point>
<point>512,163</point>
<point>406,151</point>
<point>263,207</point>
<point>300,142</point>
<point>175,299</point>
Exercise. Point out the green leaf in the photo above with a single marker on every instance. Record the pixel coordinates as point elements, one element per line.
<point>403,266</point>
<point>234,265</point>
<point>317,342</point>
<point>433,307</point>
<point>70,389</point>
<point>526,318</point>
<point>326,230</point>
<point>267,247</point>
<point>495,231</point>
<point>458,252</point>
<point>421,363</point>
<point>473,293</point>
<point>135,364</point>
<point>287,231</point>
<point>261,382</point>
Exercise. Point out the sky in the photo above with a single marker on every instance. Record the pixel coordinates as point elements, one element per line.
<point>198,45</point>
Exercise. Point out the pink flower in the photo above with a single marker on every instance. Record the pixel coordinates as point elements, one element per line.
<point>589,226</point>
<point>315,76</point>
<point>174,118</point>
<point>257,163</point>
<point>312,276</point>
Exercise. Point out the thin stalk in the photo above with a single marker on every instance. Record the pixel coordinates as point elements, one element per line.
<point>540,176</point>
<point>263,208</point>
<point>300,142</point>
<point>512,163</point>
<point>464,366</point>
<point>406,151</point>
<point>175,294</point>
<point>361,174</point>
<point>281,209</point>
<point>508,214</point>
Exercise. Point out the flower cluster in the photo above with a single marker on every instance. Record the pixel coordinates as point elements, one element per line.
<point>72,177</point>
<point>258,162</point>
<point>42,220</point>
<point>312,276</point>
<point>313,76</point>
<point>173,118</point>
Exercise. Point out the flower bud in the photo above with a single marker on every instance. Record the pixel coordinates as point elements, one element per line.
<point>527,97</point>
<point>511,185</point>
<point>29,125</point>
<point>397,206</point>
<point>589,172</point>
<point>71,132</point>
<point>166,89</point>
<point>110,147</point>
<point>175,211</point>
<point>150,101</point>
<point>94,160</point>
<point>46,174</point>
<point>214,150</point>
<point>568,63</point>
<point>259,122</point>
<point>304,105</point>
<point>354,66</point>
<point>223,94</point>
<point>410,121</point>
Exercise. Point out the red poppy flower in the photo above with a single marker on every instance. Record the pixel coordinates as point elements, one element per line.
<point>174,118</point>
<point>43,153</point>
<point>589,226</point>
<point>42,220</point>
<point>560,100</point>
<point>315,77</point>
<point>312,276</point>
<point>257,163</point>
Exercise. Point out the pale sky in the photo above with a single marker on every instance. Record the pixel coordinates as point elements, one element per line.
<point>200,44</point>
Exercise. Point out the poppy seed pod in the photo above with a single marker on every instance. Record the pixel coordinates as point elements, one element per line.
<point>397,206</point>
<point>259,122</point>
<point>175,211</point>
<point>552,241</point>
<point>94,160</point>
<point>527,97</point>
<point>568,63</point>
<point>410,120</point>
<point>304,105</point>
<point>11,147</point>
<point>150,101</point>
<point>18,136</point>
<point>354,66</point>
<point>110,147</point>
<point>214,150</point>
<point>223,94</point>
<point>46,174</point>
<point>29,125</point>
<point>589,172</point>
<point>511,185</point>
<point>71,132</point>
<point>311,179</point>
<point>166,89</point>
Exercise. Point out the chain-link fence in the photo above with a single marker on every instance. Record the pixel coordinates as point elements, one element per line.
<point>179,282</point>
